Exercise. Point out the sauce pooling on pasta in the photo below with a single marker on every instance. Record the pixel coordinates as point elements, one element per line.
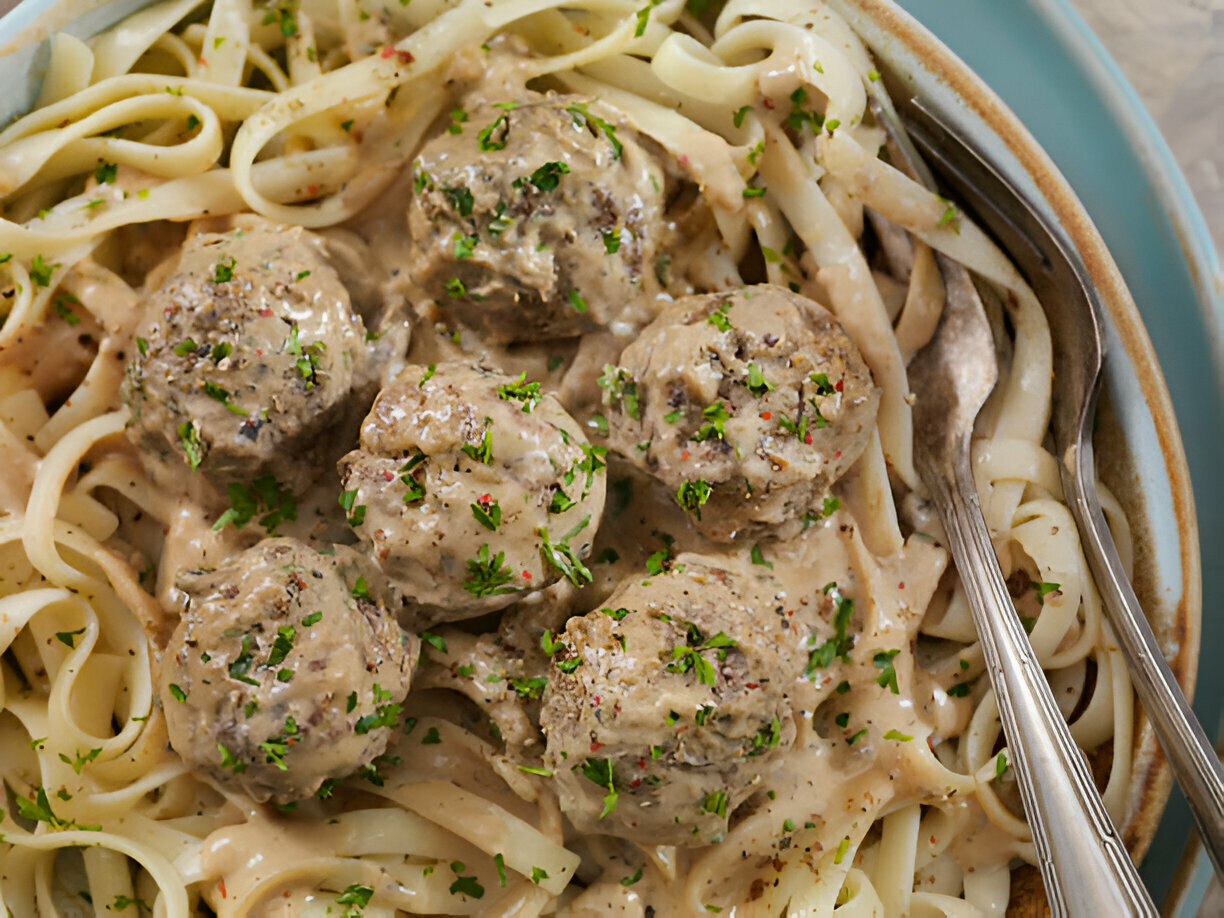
<point>460,464</point>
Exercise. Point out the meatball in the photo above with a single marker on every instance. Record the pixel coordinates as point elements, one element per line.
<point>666,707</point>
<point>537,220</point>
<point>471,488</point>
<point>286,669</point>
<point>248,355</point>
<point>747,404</point>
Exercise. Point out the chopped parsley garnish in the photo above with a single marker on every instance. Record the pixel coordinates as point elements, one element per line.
<point>355,895</point>
<point>842,848</point>
<point>215,392</point>
<point>548,176</point>
<point>898,736</point>
<point>431,737</point>
<point>69,637</point>
<point>63,311</point>
<point>599,771</point>
<point>356,514</point>
<point>841,643</point>
<point>488,576</point>
<point>583,116</point>
<point>738,117</point>
<point>621,387</point>
<point>821,381</point>
<point>767,737</point>
<point>716,416</point>
<point>40,271</point>
<point>1000,765</point>
<point>500,863</point>
<point>520,390</point>
<point>436,641</point>
<point>718,318</point>
<point>105,173</point>
<point>562,556</point>
<point>190,440</point>
<point>631,879</point>
<point>460,198</point>
<point>482,451</point>
<point>560,501</point>
<point>360,589</point>
<point>643,17</point>
<point>888,675</point>
<point>757,384</point>
<point>229,760</point>
<point>494,136</point>
<point>1045,589</point>
<point>754,192</point>
<point>959,690</point>
<point>487,513</point>
<point>415,490</point>
<point>121,902</point>
<point>759,558</point>
<point>312,619</point>
<point>427,375</point>
<point>39,810</point>
<point>538,874</point>
<point>465,245</point>
<point>467,886</point>
<point>223,271</point>
<point>576,300</point>
<point>458,117</point>
<point>267,496</point>
<point>307,356</point>
<point>386,713</point>
<point>177,692</point>
<point>282,644</point>
<point>611,240</point>
<point>527,688</point>
<point>692,495</point>
<point>80,761</point>
<point>715,803</point>
<point>856,737</point>
<point>950,217</point>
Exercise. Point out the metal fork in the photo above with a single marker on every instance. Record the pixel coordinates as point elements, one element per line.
<point>1073,307</point>
<point>1084,864</point>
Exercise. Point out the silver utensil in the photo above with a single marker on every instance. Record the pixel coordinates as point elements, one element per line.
<point>1073,307</point>
<point>1085,866</point>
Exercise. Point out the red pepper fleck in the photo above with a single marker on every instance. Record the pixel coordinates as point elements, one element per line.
<point>768,103</point>
<point>635,782</point>
<point>838,385</point>
<point>265,312</point>
<point>484,498</point>
<point>837,455</point>
<point>312,189</point>
<point>286,894</point>
<point>752,685</point>
<point>682,160</point>
<point>389,476</point>
<point>932,839</point>
<point>598,699</point>
<point>901,585</point>
<point>386,52</point>
<point>221,887</point>
<point>595,747</point>
<point>202,61</point>
<point>405,57</point>
<point>642,764</point>
<point>807,438</point>
<point>766,415</point>
<point>684,456</point>
<point>526,575</point>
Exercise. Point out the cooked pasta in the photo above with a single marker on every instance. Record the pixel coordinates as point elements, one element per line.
<point>525,217</point>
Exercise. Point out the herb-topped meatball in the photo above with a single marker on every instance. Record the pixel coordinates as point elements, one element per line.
<point>286,669</point>
<point>747,404</point>
<point>665,707</point>
<point>471,488</point>
<point>249,354</point>
<point>536,219</point>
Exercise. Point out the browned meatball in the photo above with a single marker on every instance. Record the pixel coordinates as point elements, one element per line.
<point>249,354</point>
<point>286,669</point>
<point>747,404</point>
<point>667,706</point>
<point>539,219</point>
<point>472,488</point>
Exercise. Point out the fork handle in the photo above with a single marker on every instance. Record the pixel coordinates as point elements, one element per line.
<point>1195,763</point>
<point>1085,866</point>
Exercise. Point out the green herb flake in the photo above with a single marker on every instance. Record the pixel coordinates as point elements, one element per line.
<point>888,675</point>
